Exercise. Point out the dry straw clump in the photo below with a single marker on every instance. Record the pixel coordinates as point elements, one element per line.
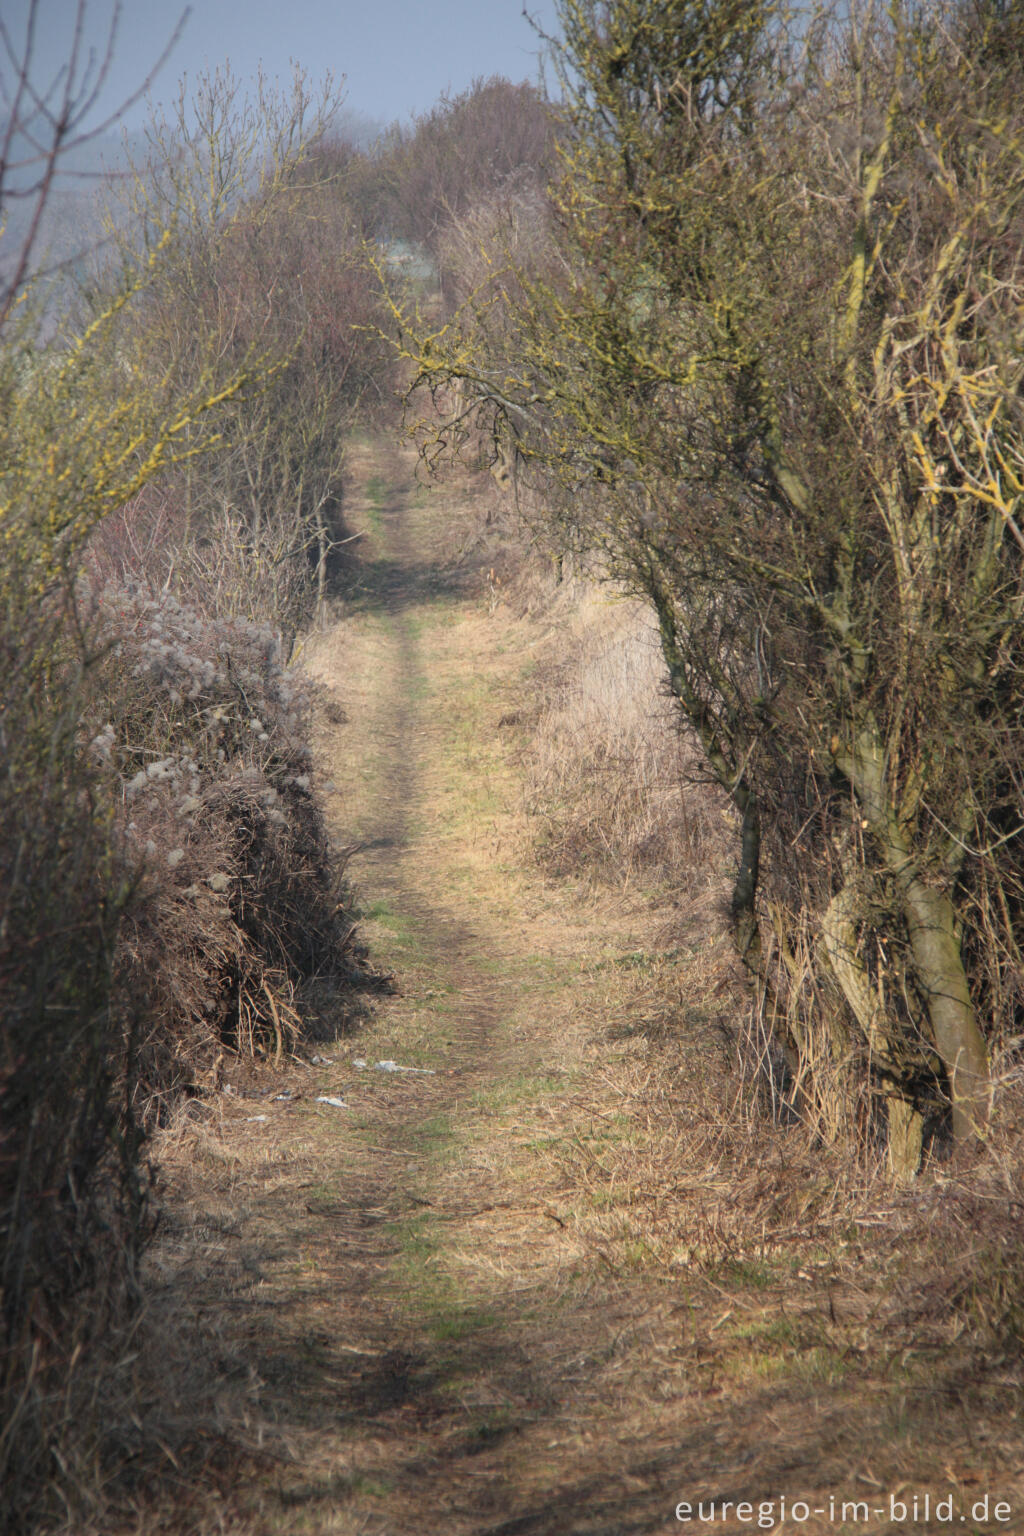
<point>612,776</point>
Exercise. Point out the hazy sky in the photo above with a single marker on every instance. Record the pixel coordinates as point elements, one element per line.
<point>397,56</point>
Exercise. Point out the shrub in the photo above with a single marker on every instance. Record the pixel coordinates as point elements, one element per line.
<point>265,271</point>
<point>73,1211</point>
<point>460,152</point>
<point>204,733</point>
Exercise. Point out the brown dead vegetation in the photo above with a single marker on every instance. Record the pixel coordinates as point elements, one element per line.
<point>584,1265</point>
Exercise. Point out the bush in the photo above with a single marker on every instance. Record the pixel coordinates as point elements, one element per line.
<point>204,733</point>
<point>167,896</point>
<point>267,273</point>
<point>417,180</point>
<point>73,1211</point>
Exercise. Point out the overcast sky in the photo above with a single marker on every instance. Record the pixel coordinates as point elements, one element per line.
<point>397,56</point>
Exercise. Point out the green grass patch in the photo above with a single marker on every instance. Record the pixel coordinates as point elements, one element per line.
<point>452,1320</point>
<point>489,1427</point>
<point>779,1331</point>
<point>637,1255</point>
<point>427,1137</point>
<point>376,495</point>
<point>445,1315</point>
<point>405,932</point>
<point>523,1088</point>
<point>755,1274</point>
<point>417,1236</point>
<point>820,1366</point>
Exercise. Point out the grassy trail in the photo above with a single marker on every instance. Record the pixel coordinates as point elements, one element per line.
<point>465,1302</point>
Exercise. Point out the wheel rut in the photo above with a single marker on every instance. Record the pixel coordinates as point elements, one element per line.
<point>420,1346</point>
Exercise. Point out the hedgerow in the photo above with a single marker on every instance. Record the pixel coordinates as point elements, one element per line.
<point>167,892</point>
<point>204,731</point>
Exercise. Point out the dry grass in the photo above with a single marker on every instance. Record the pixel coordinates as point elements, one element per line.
<point>613,782</point>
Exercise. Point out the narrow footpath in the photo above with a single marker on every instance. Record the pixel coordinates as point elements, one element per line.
<point>463,1299</point>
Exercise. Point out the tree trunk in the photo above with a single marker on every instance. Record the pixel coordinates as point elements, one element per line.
<point>931,928</point>
<point>906,1135</point>
<point>744,892</point>
<point>939,968</point>
<point>321,566</point>
<point>839,939</point>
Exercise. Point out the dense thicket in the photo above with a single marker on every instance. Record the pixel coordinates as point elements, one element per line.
<point>171,454</point>
<point>261,265</point>
<point>419,178</point>
<point>764,350</point>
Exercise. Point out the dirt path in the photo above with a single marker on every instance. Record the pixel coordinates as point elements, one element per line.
<point>464,1303</point>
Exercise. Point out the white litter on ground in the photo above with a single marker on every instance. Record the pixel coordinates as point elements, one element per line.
<point>392,1066</point>
<point>255,1119</point>
<point>324,1098</point>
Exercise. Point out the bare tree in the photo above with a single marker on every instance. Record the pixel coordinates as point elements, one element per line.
<point>46,121</point>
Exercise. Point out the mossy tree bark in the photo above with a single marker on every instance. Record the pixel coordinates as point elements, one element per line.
<point>930,919</point>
